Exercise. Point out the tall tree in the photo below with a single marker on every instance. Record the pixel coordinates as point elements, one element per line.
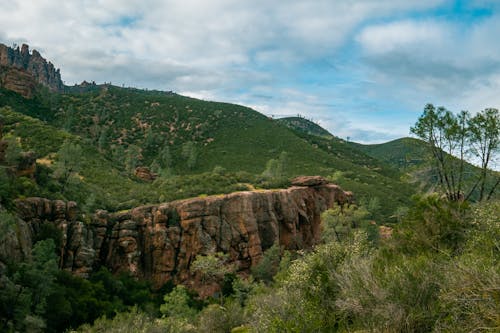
<point>445,134</point>
<point>485,141</point>
<point>450,138</point>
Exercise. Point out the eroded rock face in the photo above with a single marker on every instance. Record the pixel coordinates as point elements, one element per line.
<point>18,80</point>
<point>21,70</point>
<point>159,242</point>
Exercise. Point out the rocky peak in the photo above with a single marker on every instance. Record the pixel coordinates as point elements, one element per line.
<point>21,70</point>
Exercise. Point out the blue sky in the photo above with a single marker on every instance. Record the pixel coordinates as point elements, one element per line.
<point>362,69</point>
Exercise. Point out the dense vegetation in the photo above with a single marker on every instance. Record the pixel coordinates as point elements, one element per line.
<point>440,271</point>
<point>195,147</point>
<point>436,269</point>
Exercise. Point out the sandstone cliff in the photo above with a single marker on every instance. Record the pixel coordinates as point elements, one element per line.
<point>21,70</point>
<point>159,242</point>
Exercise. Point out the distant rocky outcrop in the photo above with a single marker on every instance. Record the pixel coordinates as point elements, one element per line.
<point>159,242</point>
<point>21,70</point>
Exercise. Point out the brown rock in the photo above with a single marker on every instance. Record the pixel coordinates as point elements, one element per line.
<point>159,242</point>
<point>145,174</point>
<point>21,71</point>
<point>309,181</point>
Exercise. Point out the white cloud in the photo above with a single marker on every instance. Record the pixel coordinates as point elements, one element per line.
<point>447,63</point>
<point>406,36</point>
<point>233,50</point>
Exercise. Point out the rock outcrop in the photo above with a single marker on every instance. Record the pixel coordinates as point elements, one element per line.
<point>159,242</point>
<point>145,174</point>
<point>21,70</point>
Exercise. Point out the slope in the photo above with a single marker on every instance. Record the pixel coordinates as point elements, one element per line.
<point>198,147</point>
<point>401,153</point>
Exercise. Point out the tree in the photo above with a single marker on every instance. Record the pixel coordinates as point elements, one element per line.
<point>176,304</point>
<point>165,157</point>
<point>102,143</point>
<point>445,133</point>
<point>133,157</point>
<point>190,154</point>
<point>484,129</point>
<point>451,137</point>
<point>212,267</point>
<point>13,151</point>
<point>276,168</point>
<point>23,297</point>
<point>68,162</point>
<point>269,265</point>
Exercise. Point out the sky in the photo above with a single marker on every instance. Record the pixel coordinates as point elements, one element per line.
<point>362,69</point>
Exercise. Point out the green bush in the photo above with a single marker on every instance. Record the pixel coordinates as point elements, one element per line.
<point>435,224</point>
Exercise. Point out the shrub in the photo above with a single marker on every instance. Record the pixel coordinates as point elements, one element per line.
<point>434,223</point>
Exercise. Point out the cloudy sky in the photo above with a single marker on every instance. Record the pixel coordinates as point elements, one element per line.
<point>363,69</point>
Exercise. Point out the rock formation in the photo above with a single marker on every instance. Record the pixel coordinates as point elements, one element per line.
<point>159,242</point>
<point>145,174</point>
<point>21,70</point>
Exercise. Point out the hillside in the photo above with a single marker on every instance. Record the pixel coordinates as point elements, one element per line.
<point>304,125</point>
<point>401,153</point>
<point>198,147</point>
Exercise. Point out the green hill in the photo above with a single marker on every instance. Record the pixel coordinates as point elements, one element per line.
<point>401,153</point>
<point>197,147</point>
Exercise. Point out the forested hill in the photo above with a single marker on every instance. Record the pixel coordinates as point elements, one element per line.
<point>190,146</point>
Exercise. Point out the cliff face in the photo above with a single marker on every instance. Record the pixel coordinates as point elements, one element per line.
<point>159,242</point>
<point>21,70</point>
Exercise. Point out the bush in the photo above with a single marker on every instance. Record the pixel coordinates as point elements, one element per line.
<point>434,224</point>
<point>267,268</point>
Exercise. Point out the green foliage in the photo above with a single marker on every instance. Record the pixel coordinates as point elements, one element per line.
<point>24,295</point>
<point>190,153</point>
<point>133,321</point>
<point>276,168</point>
<point>305,298</point>
<point>13,151</point>
<point>221,319</point>
<point>469,296</point>
<point>400,296</point>
<point>212,267</point>
<point>448,134</point>
<point>339,222</point>
<point>49,231</point>
<point>130,127</point>
<point>484,137</point>
<point>177,303</point>
<point>133,158</point>
<point>267,268</point>
<point>68,163</point>
<point>304,125</point>
<point>434,224</point>
<point>7,223</point>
